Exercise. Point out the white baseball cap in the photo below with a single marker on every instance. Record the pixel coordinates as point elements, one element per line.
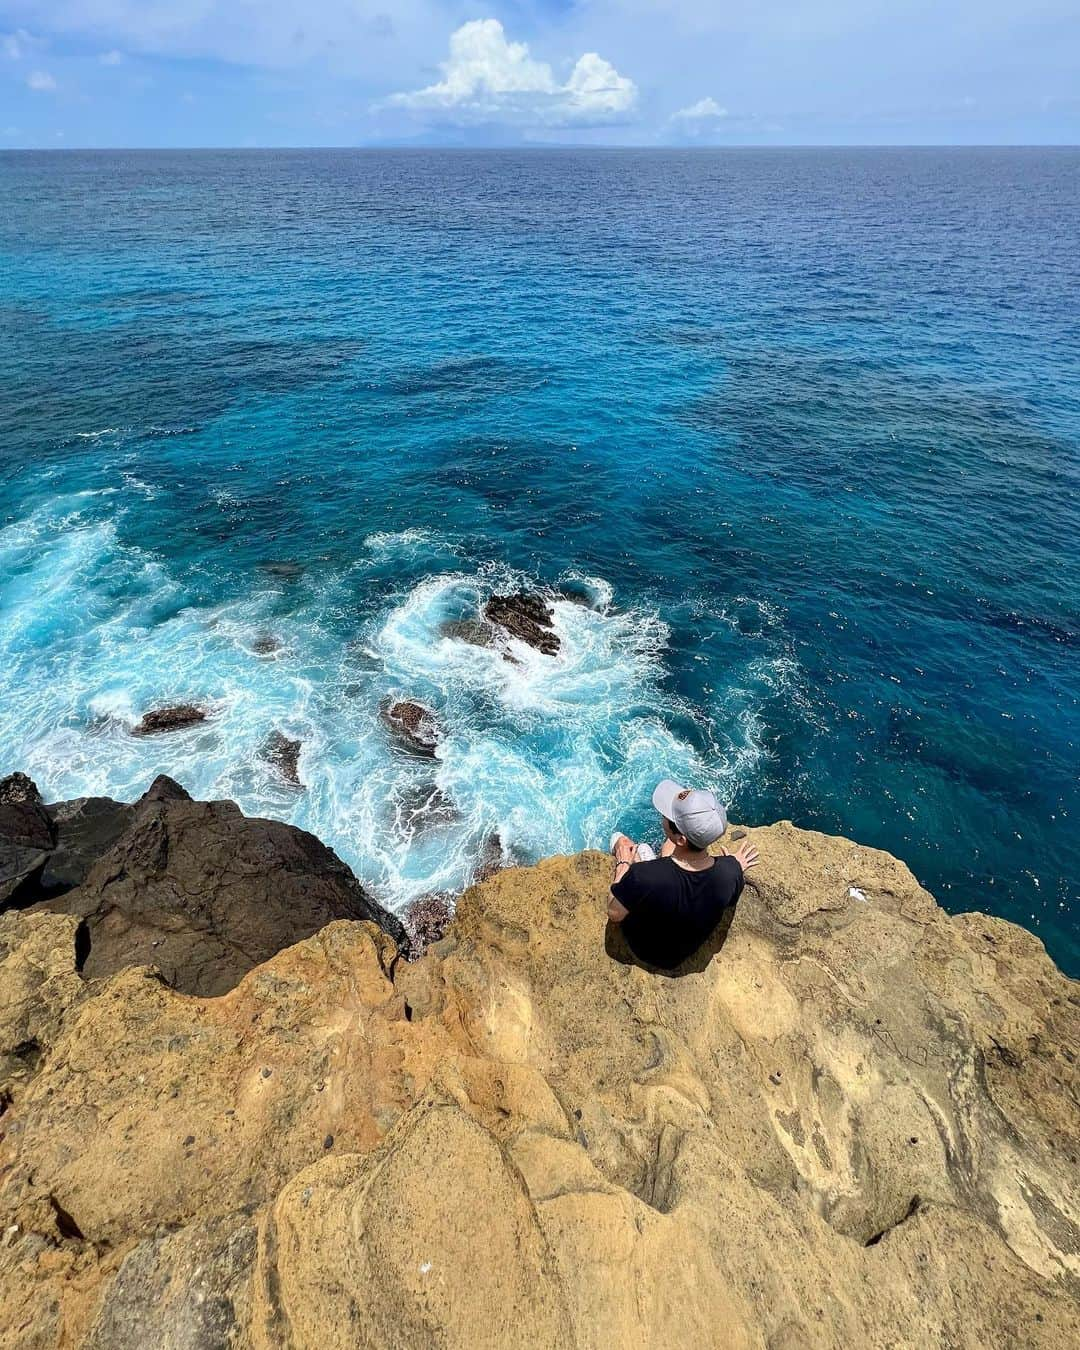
<point>693,811</point>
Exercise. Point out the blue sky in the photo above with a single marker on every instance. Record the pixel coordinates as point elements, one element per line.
<point>609,72</point>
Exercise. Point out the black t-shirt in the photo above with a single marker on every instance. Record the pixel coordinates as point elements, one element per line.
<point>673,911</point>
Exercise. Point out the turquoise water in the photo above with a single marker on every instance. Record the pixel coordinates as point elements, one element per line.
<point>802,426</point>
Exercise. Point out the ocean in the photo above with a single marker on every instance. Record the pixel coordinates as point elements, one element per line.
<point>794,433</point>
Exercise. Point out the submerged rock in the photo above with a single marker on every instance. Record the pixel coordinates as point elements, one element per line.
<point>283,569</point>
<point>176,717</point>
<point>266,644</point>
<point>842,1123</point>
<point>414,726</point>
<point>424,805</point>
<point>283,753</point>
<point>579,592</point>
<point>526,616</point>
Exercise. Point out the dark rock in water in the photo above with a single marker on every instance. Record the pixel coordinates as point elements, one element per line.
<point>174,718</point>
<point>283,753</point>
<point>473,631</point>
<point>205,894</point>
<point>415,726</point>
<point>27,837</point>
<point>266,644</point>
<point>527,617</point>
<point>283,570</point>
<point>427,919</point>
<point>492,859</point>
<point>86,828</point>
<point>424,805</point>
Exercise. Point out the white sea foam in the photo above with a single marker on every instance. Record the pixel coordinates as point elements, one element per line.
<point>136,484</point>
<point>405,542</point>
<point>545,752</point>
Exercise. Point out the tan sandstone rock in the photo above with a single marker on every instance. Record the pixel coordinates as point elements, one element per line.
<point>851,1121</point>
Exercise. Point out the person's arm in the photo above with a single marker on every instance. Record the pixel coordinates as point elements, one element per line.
<point>624,858</point>
<point>746,855</point>
<point>616,912</point>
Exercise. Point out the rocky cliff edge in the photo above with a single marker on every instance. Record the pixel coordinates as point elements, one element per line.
<point>852,1121</point>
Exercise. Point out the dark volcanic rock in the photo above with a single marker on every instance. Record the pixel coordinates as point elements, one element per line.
<point>66,838</point>
<point>415,726</point>
<point>283,753</point>
<point>527,617</point>
<point>27,837</point>
<point>491,859</point>
<point>205,894</point>
<point>164,789</point>
<point>427,919</point>
<point>174,718</point>
<point>86,828</point>
<point>18,789</point>
<point>476,632</point>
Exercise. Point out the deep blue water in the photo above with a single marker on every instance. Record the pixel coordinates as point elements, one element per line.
<point>803,424</point>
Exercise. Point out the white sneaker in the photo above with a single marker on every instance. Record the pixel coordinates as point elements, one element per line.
<point>644,851</point>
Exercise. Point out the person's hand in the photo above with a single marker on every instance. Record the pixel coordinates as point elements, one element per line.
<point>625,849</point>
<point>746,855</point>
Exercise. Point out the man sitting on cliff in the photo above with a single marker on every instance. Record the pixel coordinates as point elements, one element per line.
<point>668,906</point>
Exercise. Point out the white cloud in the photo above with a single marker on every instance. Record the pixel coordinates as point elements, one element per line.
<point>19,44</point>
<point>113,58</point>
<point>704,110</point>
<point>483,66</point>
<point>489,78</point>
<point>41,81</point>
<point>596,86</point>
<point>706,122</point>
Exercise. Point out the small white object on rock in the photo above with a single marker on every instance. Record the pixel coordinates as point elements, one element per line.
<point>855,893</point>
<point>425,1267</point>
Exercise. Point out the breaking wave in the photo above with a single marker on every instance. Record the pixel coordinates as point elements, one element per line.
<point>544,753</point>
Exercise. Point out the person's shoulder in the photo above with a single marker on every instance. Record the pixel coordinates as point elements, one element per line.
<point>727,873</point>
<point>654,870</point>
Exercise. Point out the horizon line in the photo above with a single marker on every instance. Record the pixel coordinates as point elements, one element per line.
<point>555,145</point>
